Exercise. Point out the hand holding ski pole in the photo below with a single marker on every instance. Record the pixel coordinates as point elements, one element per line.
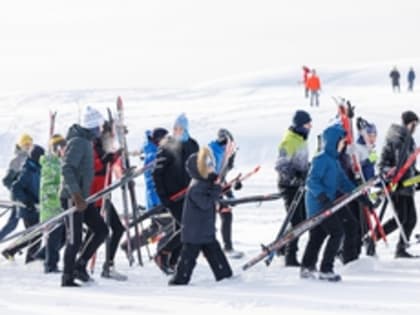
<point>79,201</point>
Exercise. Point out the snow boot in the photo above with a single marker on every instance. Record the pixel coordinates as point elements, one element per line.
<point>402,253</point>
<point>68,281</point>
<point>81,273</point>
<point>307,273</point>
<point>109,272</point>
<point>162,261</point>
<point>329,276</point>
<point>234,254</point>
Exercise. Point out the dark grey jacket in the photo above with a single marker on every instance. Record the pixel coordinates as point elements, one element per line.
<point>399,144</point>
<point>199,213</point>
<point>78,163</point>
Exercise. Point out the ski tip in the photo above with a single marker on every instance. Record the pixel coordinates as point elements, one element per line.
<point>119,102</point>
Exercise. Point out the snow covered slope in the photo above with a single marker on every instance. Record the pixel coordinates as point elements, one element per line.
<point>257,109</point>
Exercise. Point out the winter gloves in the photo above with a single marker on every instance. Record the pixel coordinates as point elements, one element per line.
<point>79,201</point>
<point>324,200</point>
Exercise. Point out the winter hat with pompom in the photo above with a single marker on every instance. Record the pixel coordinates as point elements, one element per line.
<point>91,118</point>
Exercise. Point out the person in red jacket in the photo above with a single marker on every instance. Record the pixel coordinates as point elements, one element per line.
<point>104,162</point>
<point>313,84</point>
<point>306,72</point>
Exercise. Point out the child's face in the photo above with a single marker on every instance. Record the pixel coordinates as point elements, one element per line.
<point>371,138</point>
<point>27,147</point>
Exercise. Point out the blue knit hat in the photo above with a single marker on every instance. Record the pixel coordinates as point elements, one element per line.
<point>300,118</point>
<point>182,121</point>
<point>371,128</point>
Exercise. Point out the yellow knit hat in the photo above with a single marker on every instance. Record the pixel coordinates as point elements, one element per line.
<point>25,140</point>
<point>57,141</point>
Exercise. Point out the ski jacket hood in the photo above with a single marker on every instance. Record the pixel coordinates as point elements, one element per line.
<point>331,136</point>
<point>78,131</point>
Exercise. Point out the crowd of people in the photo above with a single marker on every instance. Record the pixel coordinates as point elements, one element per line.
<point>81,164</point>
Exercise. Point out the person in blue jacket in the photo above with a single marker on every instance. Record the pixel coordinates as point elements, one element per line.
<point>148,155</point>
<point>150,149</point>
<point>25,189</point>
<point>218,149</point>
<point>325,180</point>
<point>411,76</point>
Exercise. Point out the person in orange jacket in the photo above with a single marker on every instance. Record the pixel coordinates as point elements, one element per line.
<point>313,84</point>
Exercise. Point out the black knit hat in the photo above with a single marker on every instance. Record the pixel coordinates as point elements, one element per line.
<point>301,118</point>
<point>36,152</point>
<point>408,117</point>
<point>223,135</point>
<point>158,134</point>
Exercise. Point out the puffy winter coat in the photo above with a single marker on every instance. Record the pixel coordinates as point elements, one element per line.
<point>411,76</point>
<point>399,144</point>
<point>170,175</point>
<point>326,175</point>
<point>101,159</point>
<point>15,166</point>
<point>49,187</point>
<point>199,213</point>
<point>150,152</point>
<point>365,154</point>
<point>313,83</point>
<point>78,163</point>
<point>26,188</point>
<point>395,77</point>
<point>292,161</point>
<point>218,151</point>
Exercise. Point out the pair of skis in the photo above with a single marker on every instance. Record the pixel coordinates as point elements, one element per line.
<point>312,222</point>
<point>128,189</point>
<point>346,114</point>
<point>30,234</point>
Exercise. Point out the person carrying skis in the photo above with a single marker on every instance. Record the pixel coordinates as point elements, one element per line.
<point>411,76</point>
<point>103,161</point>
<point>25,189</point>
<point>366,147</point>
<point>170,177</point>
<point>399,144</point>
<point>150,150</point>
<point>23,147</point>
<point>158,222</point>
<point>313,84</point>
<point>218,149</point>
<point>325,179</point>
<point>306,72</point>
<point>292,167</point>
<point>395,79</point>
<point>198,221</point>
<point>78,172</point>
<point>354,218</point>
<point>50,205</point>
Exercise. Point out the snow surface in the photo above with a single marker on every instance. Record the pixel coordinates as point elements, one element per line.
<point>241,60</point>
<point>257,109</point>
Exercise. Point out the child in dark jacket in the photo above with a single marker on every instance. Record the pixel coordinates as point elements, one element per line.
<point>198,221</point>
<point>25,189</point>
<point>326,178</point>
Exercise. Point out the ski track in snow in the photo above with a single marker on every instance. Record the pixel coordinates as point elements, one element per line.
<point>257,110</point>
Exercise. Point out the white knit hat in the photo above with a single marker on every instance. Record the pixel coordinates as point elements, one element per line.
<point>91,118</point>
